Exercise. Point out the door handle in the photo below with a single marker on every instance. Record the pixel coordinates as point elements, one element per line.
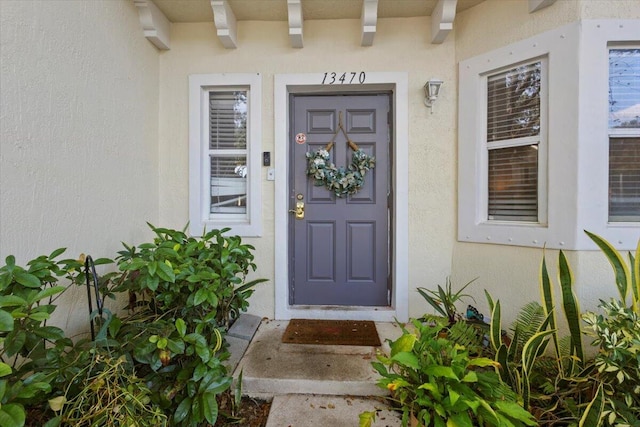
<point>299,210</point>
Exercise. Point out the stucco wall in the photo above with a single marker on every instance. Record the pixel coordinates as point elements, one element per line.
<point>330,45</point>
<point>78,132</point>
<point>94,132</point>
<point>496,23</point>
<point>511,273</point>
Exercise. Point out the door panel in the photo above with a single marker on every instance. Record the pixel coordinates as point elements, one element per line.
<point>339,251</point>
<point>361,251</point>
<point>321,251</point>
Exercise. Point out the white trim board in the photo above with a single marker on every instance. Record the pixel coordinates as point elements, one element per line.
<point>397,83</point>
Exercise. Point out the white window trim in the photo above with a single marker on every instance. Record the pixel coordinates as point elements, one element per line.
<point>578,139</point>
<point>397,82</point>
<point>540,140</point>
<point>622,132</point>
<point>558,50</point>
<point>597,37</point>
<point>199,218</point>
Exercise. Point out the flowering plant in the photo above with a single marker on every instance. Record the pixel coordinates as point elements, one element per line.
<point>340,180</point>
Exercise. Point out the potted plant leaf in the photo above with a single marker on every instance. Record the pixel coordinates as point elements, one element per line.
<point>444,300</point>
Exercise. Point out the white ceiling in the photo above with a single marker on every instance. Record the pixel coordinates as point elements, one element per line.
<point>276,10</point>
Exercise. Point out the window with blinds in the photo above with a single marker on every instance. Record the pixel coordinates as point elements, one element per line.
<point>624,135</point>
<point>513,140</point>
<point>228,152</point>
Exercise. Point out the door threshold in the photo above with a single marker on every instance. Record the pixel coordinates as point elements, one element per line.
<point>339,312</point>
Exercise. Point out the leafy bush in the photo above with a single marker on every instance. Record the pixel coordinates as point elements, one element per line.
<point>567,387</point>
<point>183,293</point>
<point>438,382</point>
<point>556,386</point>
<point>160,364</point>
<point>28,370</point>
<point>181,274</point>
<point>444,300</point>
<point>617,335</point>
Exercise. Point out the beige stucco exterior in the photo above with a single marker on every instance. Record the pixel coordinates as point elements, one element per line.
<point>78,132</point>
<point>94,132</point>
<point>509,272</point>
<point>330,45</point>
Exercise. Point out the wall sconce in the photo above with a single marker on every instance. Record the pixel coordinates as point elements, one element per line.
<point>431,92</point>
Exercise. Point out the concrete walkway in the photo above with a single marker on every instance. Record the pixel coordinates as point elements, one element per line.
<point>309,385</point>
<point>298,410</point>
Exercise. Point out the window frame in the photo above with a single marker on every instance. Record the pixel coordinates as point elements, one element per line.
<point>619,133</point>
<point>578,138</point>
<point>558,49</point>
<point>540,140</point>
<point>597,38</point>
<point>248,224</point>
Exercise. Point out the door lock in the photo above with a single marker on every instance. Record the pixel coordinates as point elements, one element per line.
<point>299,210</point>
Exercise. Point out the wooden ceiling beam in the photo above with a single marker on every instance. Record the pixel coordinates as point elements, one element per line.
<point>225,21</point>
<point>442,20</point>
<point>369,19</point>
<point>294,9</point>
<point>154,23</point>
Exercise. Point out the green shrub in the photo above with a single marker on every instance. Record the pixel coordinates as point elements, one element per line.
<point>617,335</point>
<point>566,387</point>
<point>161,364</point>
<point>438,382</point>
<point>29,372</point>
<point>444,300</point>
<point>183,293</point>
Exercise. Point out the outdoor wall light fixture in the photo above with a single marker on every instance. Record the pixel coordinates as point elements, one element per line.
<point>431,92</point>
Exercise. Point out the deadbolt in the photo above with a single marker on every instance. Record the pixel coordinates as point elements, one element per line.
<point>299,210</point>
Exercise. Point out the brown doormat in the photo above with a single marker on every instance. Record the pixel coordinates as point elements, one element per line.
<point>331,332</point>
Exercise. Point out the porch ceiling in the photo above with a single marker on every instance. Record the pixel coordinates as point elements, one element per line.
<point>156,16</point>
<point>276,10</point>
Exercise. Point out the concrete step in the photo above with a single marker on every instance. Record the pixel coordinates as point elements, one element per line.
<point>239,336</point>
<point>301,410</point>
<point>270,367</point>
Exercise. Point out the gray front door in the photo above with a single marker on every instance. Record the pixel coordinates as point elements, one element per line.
<point>339,251</point>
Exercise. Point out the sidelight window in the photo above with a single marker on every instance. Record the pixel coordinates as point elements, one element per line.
<point>224,153</point>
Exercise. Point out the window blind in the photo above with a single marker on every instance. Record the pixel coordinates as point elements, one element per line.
<point>228,185</point>
<point>228,120</point>
<point>624,88</point>
<point>624,135</point>
<point>624,179</point>
<point>228,152</point>
<point>513,184</point>
<point>513,137</point>
<point>513,103</point>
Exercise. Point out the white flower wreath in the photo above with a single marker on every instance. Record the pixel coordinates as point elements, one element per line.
<point>341,181</point>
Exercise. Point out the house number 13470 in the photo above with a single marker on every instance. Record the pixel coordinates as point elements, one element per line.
<point>344,78</point>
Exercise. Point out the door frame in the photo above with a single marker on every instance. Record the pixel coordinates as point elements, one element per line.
<point>397,83</point>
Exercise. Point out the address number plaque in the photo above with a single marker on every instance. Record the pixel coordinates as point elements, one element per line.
<point>347,77</point>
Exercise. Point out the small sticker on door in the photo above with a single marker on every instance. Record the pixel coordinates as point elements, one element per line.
<point>301,138</point>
